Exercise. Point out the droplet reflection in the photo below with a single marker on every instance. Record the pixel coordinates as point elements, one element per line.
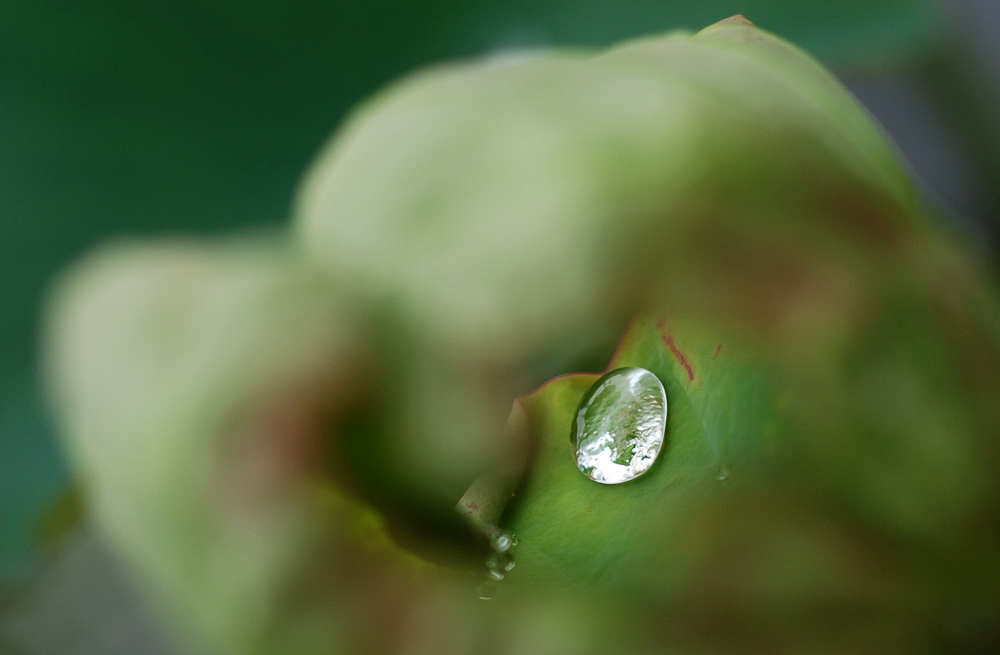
<point>619,426</point>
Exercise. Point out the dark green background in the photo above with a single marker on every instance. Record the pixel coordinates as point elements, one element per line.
<point>129,117</point>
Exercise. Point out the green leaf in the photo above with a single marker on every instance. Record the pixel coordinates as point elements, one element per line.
<point>454,192</point>
<point>721,412</point>
<point>194,384</point>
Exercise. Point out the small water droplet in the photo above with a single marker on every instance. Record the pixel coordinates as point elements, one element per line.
<point>514,540</point>
<point>486,591</point>
<point>723,473</point>
<point>499,561</point>
<point>619,426</point>
<point>501,541</point>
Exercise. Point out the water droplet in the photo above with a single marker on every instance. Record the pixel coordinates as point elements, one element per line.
<point>514,540</point>
<point>618,428</point>
<point>499,562</point>
<point>487,590</point>
<point>501,541</point>
<point>723,473</point>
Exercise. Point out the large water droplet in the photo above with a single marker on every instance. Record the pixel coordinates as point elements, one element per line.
<point>618,428</point>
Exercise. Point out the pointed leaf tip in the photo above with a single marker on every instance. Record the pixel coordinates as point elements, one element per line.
<point>738,19</point>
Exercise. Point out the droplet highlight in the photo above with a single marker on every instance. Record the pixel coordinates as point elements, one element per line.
<point>501,541</point>
<point>507,562</point>
<point>618,429</point>
<point>486,591</point>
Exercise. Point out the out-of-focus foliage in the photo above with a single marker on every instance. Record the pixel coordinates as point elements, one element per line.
<point>255,423</point>
<point>195,116</point>
<point>648,169</point>
<point>457,189</point>
<point>144,118</point>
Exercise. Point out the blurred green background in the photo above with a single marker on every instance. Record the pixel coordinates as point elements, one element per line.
<point>148,118</point>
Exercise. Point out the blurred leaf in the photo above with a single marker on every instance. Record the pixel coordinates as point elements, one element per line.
<point>454,192</point>
<point>194,384</point>
<point>152,118</point>
<point>206,120</point>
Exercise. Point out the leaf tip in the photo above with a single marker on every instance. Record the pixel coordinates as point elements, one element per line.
<point>738,19</point>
